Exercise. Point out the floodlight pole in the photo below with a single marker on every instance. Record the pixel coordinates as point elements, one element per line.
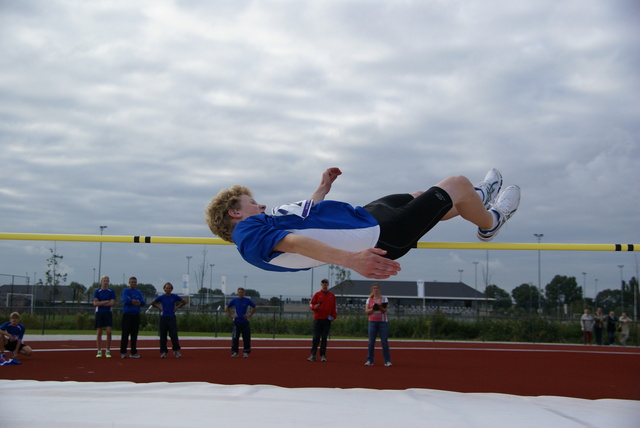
<point>539,236</point>
<point>100,258</point>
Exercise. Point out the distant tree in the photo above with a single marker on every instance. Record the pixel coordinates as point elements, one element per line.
<point>608,300</point>
<point>633,290</point>
<point>91,290</point>
<point>561,290</point>
<point>53,276</point>
<point>526,297</point>
<point>502,298</point>
<point>274,301</point>
<point>250,292</point>
<point>611,299</point>
<point>78,292</point>
<point>147,290</point>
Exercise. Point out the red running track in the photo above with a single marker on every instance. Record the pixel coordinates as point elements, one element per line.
<point>522,369</point>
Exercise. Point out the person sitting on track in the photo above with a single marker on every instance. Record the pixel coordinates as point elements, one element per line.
<point>365,239</point>
<point>11,339</point>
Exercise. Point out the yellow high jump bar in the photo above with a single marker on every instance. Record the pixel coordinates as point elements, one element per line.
<point>219,241</point>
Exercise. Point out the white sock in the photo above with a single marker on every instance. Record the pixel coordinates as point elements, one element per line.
<point>480,193</point>
<point>494,215</point>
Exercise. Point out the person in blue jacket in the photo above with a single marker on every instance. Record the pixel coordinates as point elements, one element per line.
<point>12,340</point>
<point>168,304</point>
<point>241,324</point>
<point>367,239</point>
<point>132,300</point>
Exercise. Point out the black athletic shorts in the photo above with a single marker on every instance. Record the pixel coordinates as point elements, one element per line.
<point>11,346</point>
<point>404,219</point>
<point>103,319</point>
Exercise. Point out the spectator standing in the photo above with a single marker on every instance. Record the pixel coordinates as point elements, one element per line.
<point>586,322</point>
<point>599,318</point>
<point>132,300</point>
<point>376,309</point>
<point>323,305</point>
<point>611,327</point>
<point>624,321</point>
<point>104,298</point>
<point>168,304</point>
<point>241,324</point>
<point>12,340</point>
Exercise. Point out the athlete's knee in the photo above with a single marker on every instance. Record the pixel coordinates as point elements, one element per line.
<point>456,184</point>
<point>462,182</point>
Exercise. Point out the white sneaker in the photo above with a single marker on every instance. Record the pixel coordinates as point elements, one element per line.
<point>368,363</point>
<point>490,187</point>
<point>504,208</point>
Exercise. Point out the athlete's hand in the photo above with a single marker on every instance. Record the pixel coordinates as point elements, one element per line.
<point>328,177</point>
<point>370,263</point>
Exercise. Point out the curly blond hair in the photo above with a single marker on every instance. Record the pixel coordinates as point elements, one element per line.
<point>216,215</point>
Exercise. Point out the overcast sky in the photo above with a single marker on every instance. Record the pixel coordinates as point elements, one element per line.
<point>133,114</point>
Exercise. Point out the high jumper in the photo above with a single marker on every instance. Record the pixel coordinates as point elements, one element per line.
<point>367,239</point>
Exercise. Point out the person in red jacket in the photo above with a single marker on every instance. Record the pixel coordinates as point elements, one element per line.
<point>323,305</point>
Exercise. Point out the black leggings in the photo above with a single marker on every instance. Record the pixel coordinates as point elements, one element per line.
<point>404,219</point>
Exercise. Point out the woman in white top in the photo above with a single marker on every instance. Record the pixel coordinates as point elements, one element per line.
<point>376,309</point>
<point>624,322</point>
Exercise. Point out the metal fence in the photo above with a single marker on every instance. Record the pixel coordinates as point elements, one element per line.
<point>273,321</point>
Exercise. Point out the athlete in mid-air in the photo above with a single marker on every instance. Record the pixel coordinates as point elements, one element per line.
<point>365,239</point>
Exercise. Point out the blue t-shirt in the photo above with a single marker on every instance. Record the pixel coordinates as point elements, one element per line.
<point>241,306</point>
<point>337,224</point>
<point>168,304</point>
<point>128,295</point>
<point>17,331</point>
<point>102,295</point>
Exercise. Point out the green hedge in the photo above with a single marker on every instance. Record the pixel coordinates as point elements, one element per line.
<point>432,327</point>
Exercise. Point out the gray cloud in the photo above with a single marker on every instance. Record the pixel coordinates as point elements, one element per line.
<point>133,115</point>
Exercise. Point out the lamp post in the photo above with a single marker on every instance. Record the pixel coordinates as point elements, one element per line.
<point>595,298</point>
<point>635,294</point>
<point>476,285</point>
<point>102,228</point>
<point>211,265</point>
<point>539,236</point>
<point>188,263</point>
<point>211,277</point>
<point>584,287</point>
<point>311,294</point>
<point>621,288</point>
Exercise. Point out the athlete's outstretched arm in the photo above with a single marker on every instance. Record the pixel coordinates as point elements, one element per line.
<point>368,263</point>
<point>328,177</point>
